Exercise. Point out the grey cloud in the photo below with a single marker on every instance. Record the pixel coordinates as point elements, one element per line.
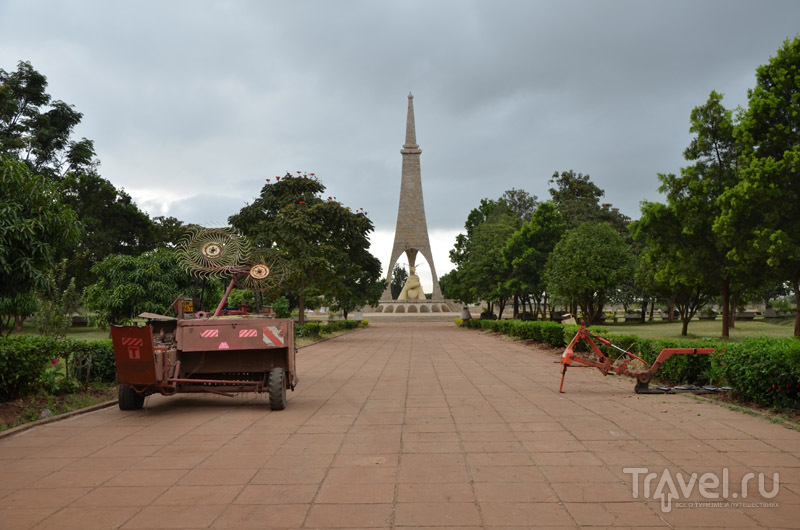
<point>199,102</point>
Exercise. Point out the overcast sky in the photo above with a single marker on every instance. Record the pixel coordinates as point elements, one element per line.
<point>192,104</point>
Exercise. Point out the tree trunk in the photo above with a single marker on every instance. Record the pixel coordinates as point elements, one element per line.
<point>685,327</point>
<point>516,306</point>
<point>18,320</point>
<point>652,309</point>
<point>301,304</point>
<point>726,308</point>
<point>671,309</point>
<point>644,310</point>
<point>732,310</point>
<point>544,308</point>
<point>344,312</point>
<point>796,287</point>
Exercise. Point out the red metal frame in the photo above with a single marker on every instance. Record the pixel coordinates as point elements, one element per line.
<point>607,366</point>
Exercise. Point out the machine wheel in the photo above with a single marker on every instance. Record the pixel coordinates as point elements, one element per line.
<point>277,389</point>
<point>129,399</point>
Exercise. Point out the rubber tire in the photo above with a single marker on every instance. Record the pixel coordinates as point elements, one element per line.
<point>276,384</point>
<point>129,399</point>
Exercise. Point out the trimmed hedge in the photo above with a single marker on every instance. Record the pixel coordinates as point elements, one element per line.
<point>550,333</point>
<point>315,329</point>
<point>764,371</point>
<point>24,360</point>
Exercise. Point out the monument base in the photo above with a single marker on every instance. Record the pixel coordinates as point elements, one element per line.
<point>416,306</point>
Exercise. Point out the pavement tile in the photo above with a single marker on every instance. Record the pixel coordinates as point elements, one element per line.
<point>361,475</point>
<point>522,492</point>
<point>355,494</point>
<point>686,517</point>
<point>121,496</point>
<point>147,477</point>
<point>437,514</point>
<point>47,498</point>
<point>87,478</point>
<point>507,474</point>
<point>88,518</point>
<point>528,514</point>
<point>201,477</point>
<point>435,493</point>
<point>433,475</point>
<point>350,515</point>
<point>602,492</point>
<point>368,460</point>
<point>173,516</point>
<point>197,495</point>
<point>23,518</point>
<point>612,514</point>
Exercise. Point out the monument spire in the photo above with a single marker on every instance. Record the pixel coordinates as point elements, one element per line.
<point>411,233</point>
<point>411,129</point>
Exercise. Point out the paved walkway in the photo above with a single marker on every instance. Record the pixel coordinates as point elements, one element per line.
<point>401,426</point>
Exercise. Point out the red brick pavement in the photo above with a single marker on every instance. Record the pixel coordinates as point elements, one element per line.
<point>405,425</point>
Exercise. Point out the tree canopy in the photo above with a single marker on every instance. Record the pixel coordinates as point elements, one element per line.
<point>586,265</point>
<point>35,227</point>
<point>324,244</point>
<point>112,223</point>
<point>526,251</point>
<point>129,285</point>
<point>36,130</point>
<point>760,215</point>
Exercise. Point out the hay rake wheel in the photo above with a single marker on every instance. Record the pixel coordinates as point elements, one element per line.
<point>213,251</point>
<point>223,252</point>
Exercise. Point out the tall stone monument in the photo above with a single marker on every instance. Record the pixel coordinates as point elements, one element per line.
<point>411,234</point>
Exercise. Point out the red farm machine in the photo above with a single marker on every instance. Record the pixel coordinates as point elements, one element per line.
<point>621,365</point>
<point>197,352</point>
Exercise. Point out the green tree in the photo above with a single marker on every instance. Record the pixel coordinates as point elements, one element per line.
<point>693,196</point>
<point>521,203</point>
<point>587,265</point>
<point>14,311</point>
<point>112,222</point>
<point>129,285</point>
<point>674,263</point>
<point>760,216</point>
<point>56,302</point>
<point>324,244</point>
<point>399,277</point>
<point>526,252</point>
<point>578,200</point>
<point>480,271</point>
<point>35,227</point>
<point>36,130</point>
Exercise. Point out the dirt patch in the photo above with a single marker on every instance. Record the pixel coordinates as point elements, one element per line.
<point>31,408</point>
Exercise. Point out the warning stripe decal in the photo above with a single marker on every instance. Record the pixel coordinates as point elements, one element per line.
<point>248,333</point>
<point>210,333</point>
<point>132,341</point>
<point>272,337</point>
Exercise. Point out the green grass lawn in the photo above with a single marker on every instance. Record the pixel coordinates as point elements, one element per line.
<point>773,328</point>
<point>79,333</point>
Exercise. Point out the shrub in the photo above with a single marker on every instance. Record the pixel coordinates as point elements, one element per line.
<point>309,329</point>
<point>764,371</point>
<point>90,360</point>
<point>23,362</point>
<point>315,329</point>
<point>281,308</point>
